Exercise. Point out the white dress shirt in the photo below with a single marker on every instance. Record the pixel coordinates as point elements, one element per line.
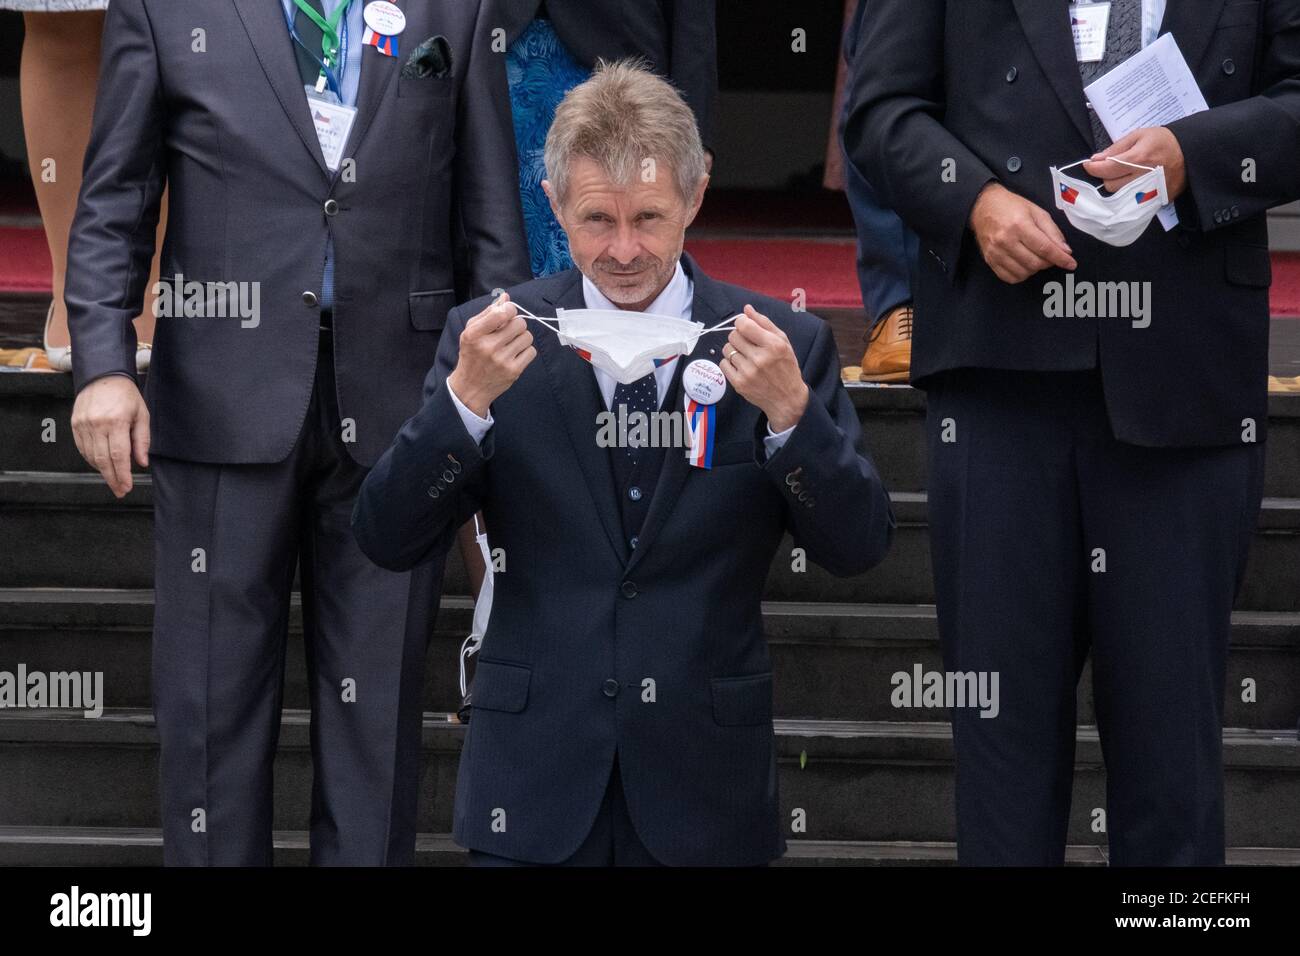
<point>675,300</point>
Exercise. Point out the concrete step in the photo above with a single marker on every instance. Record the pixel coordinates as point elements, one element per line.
<point>833,661</point>
<point>68,531</point>
<point>855,781</point>
<point>892,420</point>
<point>142,846</point>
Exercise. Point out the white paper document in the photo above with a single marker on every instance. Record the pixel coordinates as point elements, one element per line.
<point>1151,88</point>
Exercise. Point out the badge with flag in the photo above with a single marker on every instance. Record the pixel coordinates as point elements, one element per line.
<point>384,21</point>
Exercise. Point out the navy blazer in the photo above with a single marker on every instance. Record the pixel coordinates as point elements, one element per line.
<point>593,649</point>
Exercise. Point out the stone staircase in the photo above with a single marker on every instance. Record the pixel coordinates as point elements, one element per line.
<point>873,784</point>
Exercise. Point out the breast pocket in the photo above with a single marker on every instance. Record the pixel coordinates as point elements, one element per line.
<point>734,453</point>
<point>424,89</point>
<point>429,309</point>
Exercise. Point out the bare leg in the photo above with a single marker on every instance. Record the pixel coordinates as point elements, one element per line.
<point>58,80</point>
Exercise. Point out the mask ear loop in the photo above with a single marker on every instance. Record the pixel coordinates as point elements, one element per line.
<point>538,318</point>
<point>1110,159</point>
<point>722,326</point>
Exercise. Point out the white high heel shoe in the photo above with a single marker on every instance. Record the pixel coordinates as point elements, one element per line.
<point>59,358</point>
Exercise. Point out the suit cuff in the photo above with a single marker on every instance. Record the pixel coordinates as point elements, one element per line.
<point>773,441</point>
<point>477,427</point>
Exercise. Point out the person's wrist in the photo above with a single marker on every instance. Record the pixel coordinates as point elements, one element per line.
<point>789,414</point>
<point>981,199</point>
<point>470,398</point>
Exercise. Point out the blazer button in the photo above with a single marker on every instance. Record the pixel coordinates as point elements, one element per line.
<point>796,488</point>
<point>1013,164</point>
<point>1218,215</point>
<point>1012,74</point>
<point>1236,213</point>
<point>447,476</point>
<point>309,299</point>
<point>331,207</point>
<point>634,493</point>
<point>629,589</point>
<point>610,687</point>
<point>1229,67</point>
<point>455,465</point>
<point>433,492</point>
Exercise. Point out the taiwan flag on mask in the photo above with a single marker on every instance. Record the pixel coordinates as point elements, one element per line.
<point>1068,193</point>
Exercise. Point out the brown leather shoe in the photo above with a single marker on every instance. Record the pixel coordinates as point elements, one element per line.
<point>888,357</point>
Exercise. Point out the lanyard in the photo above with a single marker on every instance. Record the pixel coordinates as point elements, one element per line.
<point>329,37</point>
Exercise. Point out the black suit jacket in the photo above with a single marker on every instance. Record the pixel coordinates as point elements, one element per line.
<point>580,623</point>
<point>993,87</point>
<point>679,39</point>
<point>229,130</point>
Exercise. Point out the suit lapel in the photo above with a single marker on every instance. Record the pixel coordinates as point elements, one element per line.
<point>708,305</point>
<point>1192,23</point>
<point>377,72</point>
<point>264,22</point>
<point>1048,32</point>
<point>579,400</point>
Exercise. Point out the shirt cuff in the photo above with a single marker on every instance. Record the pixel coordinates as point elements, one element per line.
<point>773,441</point>
<point>477,427</point>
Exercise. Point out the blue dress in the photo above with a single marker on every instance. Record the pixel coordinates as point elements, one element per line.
<point>540,71</point>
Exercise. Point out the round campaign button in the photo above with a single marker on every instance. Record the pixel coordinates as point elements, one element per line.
<point>704,382</point>
<point>384,18</point>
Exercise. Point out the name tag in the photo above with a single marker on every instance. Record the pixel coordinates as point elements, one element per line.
<point>333,122</point>
<point>1088,24</point>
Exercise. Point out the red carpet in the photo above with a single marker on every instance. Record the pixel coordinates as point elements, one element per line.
<point>24,260</point>
<point>824,269</point>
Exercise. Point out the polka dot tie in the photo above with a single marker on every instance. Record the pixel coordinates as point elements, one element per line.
<point>641,396</point>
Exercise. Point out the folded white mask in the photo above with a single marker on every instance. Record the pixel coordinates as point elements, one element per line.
<point>627,345</point>
<point>1116,218</point>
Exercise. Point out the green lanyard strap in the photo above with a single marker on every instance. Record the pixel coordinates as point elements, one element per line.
<point>329,28</point>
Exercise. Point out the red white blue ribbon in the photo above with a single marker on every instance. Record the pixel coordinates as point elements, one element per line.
<point>702,421</point>
<point>384,44</point>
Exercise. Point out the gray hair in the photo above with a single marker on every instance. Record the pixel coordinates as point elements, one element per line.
<point>621,116</point>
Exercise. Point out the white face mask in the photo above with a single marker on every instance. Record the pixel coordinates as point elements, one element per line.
<point>627,345</point>
<point>1117,218</point>
<point>482,608</point>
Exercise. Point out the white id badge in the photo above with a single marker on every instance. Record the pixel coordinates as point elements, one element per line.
<point>1088,24</point>
<point>333,122</point>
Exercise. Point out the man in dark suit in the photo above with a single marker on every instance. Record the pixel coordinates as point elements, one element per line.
<point>623,693</point>
<point>323,248</point>
<point>1094,480</point>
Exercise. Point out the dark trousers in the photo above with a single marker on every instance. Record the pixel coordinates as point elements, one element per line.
<point>612,841</point>
<point>227,539</point>
<point>1026,502</point>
